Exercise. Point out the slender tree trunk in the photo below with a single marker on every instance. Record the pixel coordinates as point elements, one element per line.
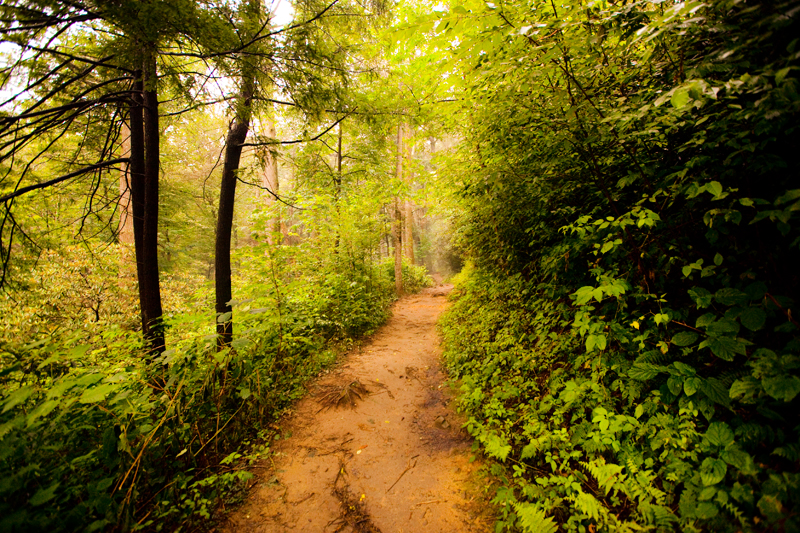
<point>408,238</point>
<point>149,283</point>
<point>408,218</point>
<point>125,205</point>
<point>397,237</point>
<point>337,179</point>
<point>272,183</point>
<point>136,168</point>
<point>237,133</point>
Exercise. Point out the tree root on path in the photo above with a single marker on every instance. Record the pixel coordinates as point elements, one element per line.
<point>353,509</point>
<point>346,395</point>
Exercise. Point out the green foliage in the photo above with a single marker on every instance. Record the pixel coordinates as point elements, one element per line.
<point>624,342</point>
<point>159,445</point>
<point>415,277</point>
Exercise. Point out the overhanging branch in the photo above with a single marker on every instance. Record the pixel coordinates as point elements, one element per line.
<point>54,181</point>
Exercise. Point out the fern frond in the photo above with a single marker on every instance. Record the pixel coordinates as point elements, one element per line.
<point>533,519</point>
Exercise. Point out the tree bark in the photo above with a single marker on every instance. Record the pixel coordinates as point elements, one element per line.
<point>125,205</point>
<point>149,283</point>
<point>337,183</point>
<point>137,169</point>
<point>408,217</point>
<point>408,238</point>
<point>237,133</point>
<point>397,237</point>
<point>272,183</point>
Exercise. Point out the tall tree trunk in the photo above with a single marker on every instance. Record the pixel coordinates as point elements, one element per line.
<point>408,218</point>
<point>337,183</point>
<point>237,133</point>
<point>397,237</point>
<point>408,226</point>
<point>272,183</point>
<point>149,284</point>
<point>137,170</point>
<point>125,205</point>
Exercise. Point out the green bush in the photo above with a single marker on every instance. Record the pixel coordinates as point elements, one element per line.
<point>624,344</point>
<point>94,436</point>
<point>415,277</point>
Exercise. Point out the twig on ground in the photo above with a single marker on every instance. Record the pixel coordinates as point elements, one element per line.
<point>409,467</point>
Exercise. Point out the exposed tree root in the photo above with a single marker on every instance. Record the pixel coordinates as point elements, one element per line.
<point>347,395</point>
<point>354,513</point>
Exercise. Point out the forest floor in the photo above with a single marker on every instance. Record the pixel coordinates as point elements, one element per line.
<point>376,446</point>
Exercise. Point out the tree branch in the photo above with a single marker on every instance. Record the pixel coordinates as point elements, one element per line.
<point>54,181</point>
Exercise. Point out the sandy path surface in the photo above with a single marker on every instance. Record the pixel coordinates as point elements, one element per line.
<point>396,463</point>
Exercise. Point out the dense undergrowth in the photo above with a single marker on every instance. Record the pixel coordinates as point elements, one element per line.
<point>97,437</point>
<point>624,341</point>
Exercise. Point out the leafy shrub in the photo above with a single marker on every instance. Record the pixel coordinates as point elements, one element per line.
<point>624,344</point>
<point>415,277</point>
<point>95,436</point>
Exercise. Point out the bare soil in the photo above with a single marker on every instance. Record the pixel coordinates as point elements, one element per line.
<point>376,446</point>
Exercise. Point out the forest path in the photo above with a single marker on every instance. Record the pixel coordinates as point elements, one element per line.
<point>395,463</point>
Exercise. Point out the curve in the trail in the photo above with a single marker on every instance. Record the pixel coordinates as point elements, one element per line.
<point>397,462</point>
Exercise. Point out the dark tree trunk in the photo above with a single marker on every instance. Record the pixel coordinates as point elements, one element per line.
<point>137,170</point>
<point>147,253</point>
<point>237,133</point>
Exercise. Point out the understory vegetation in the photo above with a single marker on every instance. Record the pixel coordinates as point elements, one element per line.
<point>624,339</point>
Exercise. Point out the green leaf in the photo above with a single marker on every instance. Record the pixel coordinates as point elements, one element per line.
<point>534,520</point>
<point>44,495</point>
<point>17,397</point>
<point>691,385</point>
<point>753,318</point>
<point>718,259</point>
<point>645,371</point>
<point>679,98</point>
<point>496,446</point>
<point>793,194</point>
<point>712,471</point>
<point>675,385</point>
<point>706,510</point>
<point>43,409</point>
<point>715,188</point>
<point>723,326</point>
<point>97,394</point>
<point>583,295</point>
<point>781,74</point>
<point>756,291</point>
<point>771,507</point>
<point>702,298</point>
<point>719,434</point>
<point>601,342</point>
<point>783,387</point>
<point>744,387</point>
<point>530,450</point>
<point>591,340</point>
<point>598,294</point>
<point>725,348</point>
<point>730,296</point>
<point>705,320</point>
<point>740,460</point>
<point>707,493</point>
<point>715,391</point>
<point>684,338</point>
<point>588,505</point>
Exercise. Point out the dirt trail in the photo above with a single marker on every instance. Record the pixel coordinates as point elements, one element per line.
<point>395,463</point>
